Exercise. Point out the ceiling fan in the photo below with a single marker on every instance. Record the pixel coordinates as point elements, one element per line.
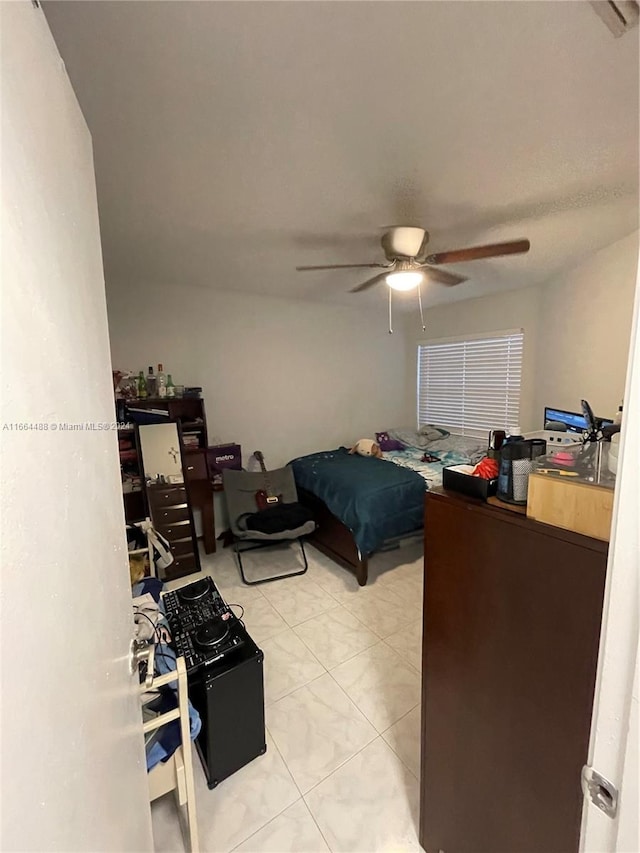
<point>407,265</point>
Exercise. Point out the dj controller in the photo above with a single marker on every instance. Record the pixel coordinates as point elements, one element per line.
<point>203,627</point>
<point>225,677</point>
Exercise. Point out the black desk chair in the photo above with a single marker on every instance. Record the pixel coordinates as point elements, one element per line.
<point>240,489</point>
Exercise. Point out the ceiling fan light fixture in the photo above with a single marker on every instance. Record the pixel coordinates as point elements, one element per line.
<point>404,280</point>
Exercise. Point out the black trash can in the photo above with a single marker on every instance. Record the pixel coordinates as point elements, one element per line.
<point>516,463</point>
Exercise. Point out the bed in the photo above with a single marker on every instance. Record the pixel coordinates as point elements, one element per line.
<point>363,504</point>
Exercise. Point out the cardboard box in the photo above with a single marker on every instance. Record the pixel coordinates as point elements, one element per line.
<point>571,503</point>
<point>459,478</point>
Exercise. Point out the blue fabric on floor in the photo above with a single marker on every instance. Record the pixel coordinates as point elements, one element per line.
<point>153,586</point>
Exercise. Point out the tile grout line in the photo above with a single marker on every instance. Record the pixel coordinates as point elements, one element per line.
<point>282,811</point>
<point>282,758</point>
<point>362,711</point>
<point>312,816</point>
<point>346,761</point>
<point>370,721</point>
<point>373,630</point>
<point>391,747</point>
<point>361,651</point>
<point>300,799</point>
<point>408,663</point>
<point>306,683</point>
<point>281,615</point>
<point>342,763</point>
<point>295,690</point>
<point>328,669</point>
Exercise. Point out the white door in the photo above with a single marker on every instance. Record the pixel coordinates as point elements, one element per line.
<point>614,733</point>
<point>73,772</point>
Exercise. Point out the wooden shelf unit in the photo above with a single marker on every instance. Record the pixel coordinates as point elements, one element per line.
<point>190,412</point>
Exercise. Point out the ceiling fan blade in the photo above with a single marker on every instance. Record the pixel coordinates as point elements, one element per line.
<point>342,267</point>
<point>369,283</point>
<point>494,250</point>
<point>442,276</point>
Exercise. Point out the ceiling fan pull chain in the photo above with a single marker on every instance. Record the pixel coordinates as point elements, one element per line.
<point>390,316</point>
<point>424,328</point>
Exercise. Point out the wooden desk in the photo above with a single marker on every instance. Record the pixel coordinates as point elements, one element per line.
<point>201,494</point>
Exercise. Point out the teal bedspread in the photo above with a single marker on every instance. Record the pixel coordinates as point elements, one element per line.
<point>375,499</point>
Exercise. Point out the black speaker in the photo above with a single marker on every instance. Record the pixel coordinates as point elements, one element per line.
<point>230,700</point>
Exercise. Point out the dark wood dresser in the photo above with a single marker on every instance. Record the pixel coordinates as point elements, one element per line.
<point>512,616</point>
<point>172,517</point>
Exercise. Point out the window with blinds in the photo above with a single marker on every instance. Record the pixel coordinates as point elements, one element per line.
<point>471,386</point>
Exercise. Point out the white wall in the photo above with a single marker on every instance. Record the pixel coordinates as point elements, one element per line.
<point>283,376</point>
<point>585,327</point>
<point>72,749</point>
<point>576,330</point>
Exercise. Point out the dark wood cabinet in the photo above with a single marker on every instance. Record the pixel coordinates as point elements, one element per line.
<point>172,518</point>
<point>190,413</point>
<point>201,489</point>
<point>512,614</point>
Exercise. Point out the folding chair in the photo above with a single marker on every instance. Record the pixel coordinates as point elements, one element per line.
<point>240,488</point>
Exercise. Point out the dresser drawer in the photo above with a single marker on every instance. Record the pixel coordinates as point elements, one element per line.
<point>170,514</point>
<point>181,548</point>
<point>183,565</point>
<point>195,466</point>
<point>166,495</point>
<point>177,530</point>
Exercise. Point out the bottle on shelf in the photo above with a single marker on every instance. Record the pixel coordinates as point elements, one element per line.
<point>151,383</point>
<point>161,382</point>
<point>171,388</point>
<point>618,416</point>
<point>142,386</point>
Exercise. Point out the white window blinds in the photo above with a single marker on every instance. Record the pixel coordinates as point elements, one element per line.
<point>471,386</point>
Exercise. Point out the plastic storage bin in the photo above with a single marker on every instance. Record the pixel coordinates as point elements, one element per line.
<point>459,478</point>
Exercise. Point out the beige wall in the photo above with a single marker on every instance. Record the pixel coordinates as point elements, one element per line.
<point>576,329</point>
<point>283,376</point>
<point>73,772</point>
<point>585,327</point>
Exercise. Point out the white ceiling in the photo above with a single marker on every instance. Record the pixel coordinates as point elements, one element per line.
<point>234,141</point>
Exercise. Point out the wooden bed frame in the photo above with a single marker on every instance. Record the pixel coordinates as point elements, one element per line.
<point>333,538</point>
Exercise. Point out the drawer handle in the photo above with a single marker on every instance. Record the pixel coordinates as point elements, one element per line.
<point>189,467</point>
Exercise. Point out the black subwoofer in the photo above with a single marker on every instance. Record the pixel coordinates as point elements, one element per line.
<point>230,701</point>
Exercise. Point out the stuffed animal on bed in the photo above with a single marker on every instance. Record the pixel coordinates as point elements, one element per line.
<point>366,447</point>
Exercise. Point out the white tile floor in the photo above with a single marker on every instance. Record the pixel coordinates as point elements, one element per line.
<point>342,694</point>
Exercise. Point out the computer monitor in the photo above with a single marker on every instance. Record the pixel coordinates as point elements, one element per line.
<point>574,421</point>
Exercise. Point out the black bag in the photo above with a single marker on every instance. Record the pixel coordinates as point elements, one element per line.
<point>275,519</point>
